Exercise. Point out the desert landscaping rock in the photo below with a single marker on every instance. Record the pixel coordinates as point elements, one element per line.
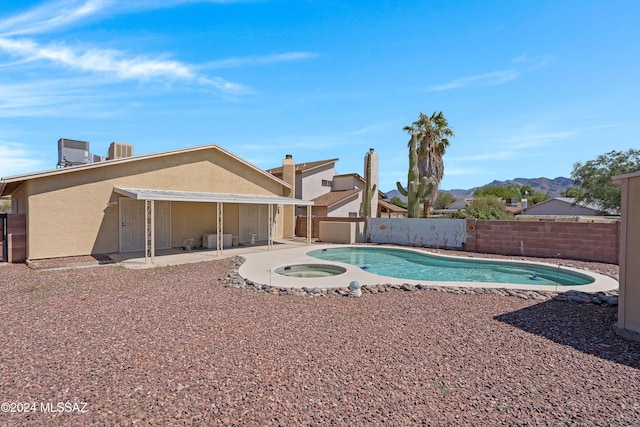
<point>181,345</point>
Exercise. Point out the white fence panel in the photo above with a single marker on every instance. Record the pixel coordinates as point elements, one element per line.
<point>424,232</point>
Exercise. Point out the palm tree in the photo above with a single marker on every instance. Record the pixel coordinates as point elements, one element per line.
<point>433,133</point>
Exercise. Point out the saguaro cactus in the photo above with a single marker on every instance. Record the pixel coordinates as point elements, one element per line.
<point>418,191</point>
<point>369,190</point>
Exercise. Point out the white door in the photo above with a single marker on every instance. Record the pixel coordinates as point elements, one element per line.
<point>132,225</point>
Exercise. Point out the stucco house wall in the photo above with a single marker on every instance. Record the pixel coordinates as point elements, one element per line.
<point>311,182</point>
<point>75,211</point>
<point>347,182</point>
<point>343,209</point>
<point>629,291</point>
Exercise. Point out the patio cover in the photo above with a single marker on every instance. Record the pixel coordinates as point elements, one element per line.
<point>149,196</point>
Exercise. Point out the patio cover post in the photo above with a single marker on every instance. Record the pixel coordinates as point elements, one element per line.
<point>149,227</point>
<point>270,227</point>
<point>309,224</point>
<point>219,228</point>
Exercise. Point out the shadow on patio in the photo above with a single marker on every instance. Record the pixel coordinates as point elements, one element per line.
<point>585,327</point>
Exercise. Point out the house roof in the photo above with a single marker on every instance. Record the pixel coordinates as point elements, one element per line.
<point>570,201</point>
<point>303,167</point>
<point>617,180</point>
<point>335,197</point>
<point>391,207</point>
<point>192,196</point>
<point>10,183</point>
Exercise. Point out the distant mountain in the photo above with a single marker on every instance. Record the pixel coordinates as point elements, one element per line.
<point>553,187</point>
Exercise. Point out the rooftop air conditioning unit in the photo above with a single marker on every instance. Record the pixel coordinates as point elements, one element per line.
<point>72,152</point>
<point>120,150</point>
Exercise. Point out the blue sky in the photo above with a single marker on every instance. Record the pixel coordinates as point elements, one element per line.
<point>529,87</point>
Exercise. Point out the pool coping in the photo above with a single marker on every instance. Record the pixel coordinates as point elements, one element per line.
<point>260,268</point>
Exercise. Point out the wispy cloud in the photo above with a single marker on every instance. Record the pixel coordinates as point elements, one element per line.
<point>51,16</point>
<point>114,62</point>
<point>260,60</point>
<point>59,14</point>
<point>16,158</point>
<point>523,63</point>
<point>533,62</point>
<point>488,79</point>
<point>56,97</point>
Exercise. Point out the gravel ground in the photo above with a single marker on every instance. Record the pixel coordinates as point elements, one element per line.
<point>172,346</point>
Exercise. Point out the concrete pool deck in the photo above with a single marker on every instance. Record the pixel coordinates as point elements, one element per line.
<point>261,263</point>
<point>260,267</point>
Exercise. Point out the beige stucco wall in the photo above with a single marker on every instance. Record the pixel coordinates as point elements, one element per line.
<point>629,302</point>
<point>341,232</point>
<point>69,213</point>
<point>192,220</point>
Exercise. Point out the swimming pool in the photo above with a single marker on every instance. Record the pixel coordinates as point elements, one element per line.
<point>405,264</point>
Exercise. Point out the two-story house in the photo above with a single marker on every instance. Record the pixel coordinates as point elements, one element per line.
<point>333,195</point>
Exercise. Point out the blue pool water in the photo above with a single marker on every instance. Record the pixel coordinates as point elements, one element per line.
<point>413,265</point>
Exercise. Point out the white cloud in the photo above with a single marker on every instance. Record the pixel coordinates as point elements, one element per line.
<point>488,79</point>
<point>534,62</point>
<point>59,14</point>
<point>51,16</point>
<point>115,63</point>
<point>260,59</point>
<point>16,159</point>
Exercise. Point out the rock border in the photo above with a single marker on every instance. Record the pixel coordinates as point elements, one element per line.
<point>233,279</point>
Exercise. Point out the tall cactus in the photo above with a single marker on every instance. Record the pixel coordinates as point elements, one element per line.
<point>369,190</point>
<point>417,191</point>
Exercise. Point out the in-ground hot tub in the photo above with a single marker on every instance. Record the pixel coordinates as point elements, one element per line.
<point>310,270</point>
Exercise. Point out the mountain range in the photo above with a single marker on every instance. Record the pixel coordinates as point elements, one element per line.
<point>553,187</point>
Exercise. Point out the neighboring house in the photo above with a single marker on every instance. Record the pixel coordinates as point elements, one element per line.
<point>389,210</point>
<point>150,202</point>
<point>333,195</point>
<point>455,206</point>
<point>563,206</point>
<point>511,205</point>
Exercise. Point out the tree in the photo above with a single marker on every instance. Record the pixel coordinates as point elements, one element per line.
<point>398,201</point>
<point>485,207</point>
<point>433,133</point>
<point>513,191</point>
<point>592,179</point>
<point>497,191</point>
<point>418,190</point>
<point>443,200</point>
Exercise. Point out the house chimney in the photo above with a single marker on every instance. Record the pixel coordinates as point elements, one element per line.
<point>288,211</point>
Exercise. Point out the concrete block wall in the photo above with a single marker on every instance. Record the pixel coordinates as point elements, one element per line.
<point>573,240</point>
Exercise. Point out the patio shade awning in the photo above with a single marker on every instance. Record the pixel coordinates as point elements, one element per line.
<point>192,196</point>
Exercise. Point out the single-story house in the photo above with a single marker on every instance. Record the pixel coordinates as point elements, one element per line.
<point>387,209</point>
<point>561,206</point>
<point>149,202</point>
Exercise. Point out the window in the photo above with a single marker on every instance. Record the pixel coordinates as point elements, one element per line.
<point>353,214</point>
<point>327,183</point>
